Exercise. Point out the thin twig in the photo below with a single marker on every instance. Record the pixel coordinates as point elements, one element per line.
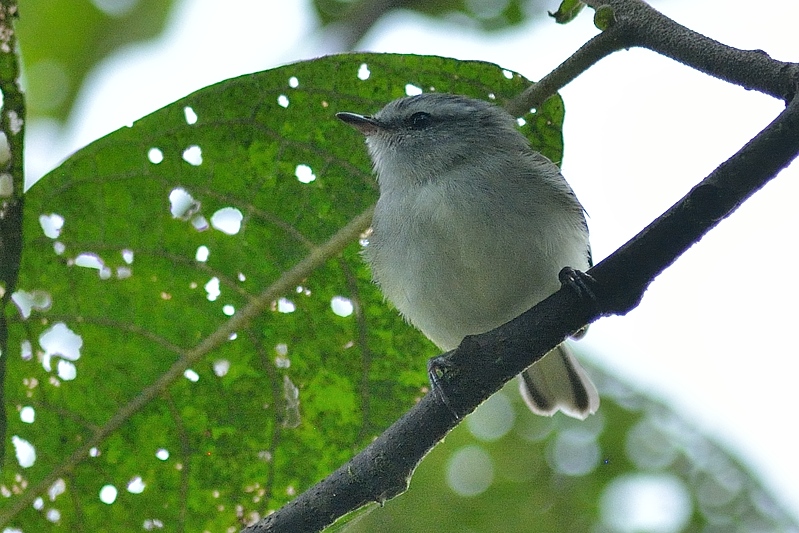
<point>585,57</point>
<point>639,25</point>
<point>646,27</point>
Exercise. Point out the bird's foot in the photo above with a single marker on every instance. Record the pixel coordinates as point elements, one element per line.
<point>437,368</point>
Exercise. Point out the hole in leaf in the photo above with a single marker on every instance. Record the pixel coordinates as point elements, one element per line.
<point>136,485</point>
<point>182,205</point>
<point>212,288</point>
<point>28,301</point>
<point>51,225</point>
<point>228,310</point>
<point>26,453</point>
<point>294,82</point>
<point>283,101</point>
<point>155,156</point>
<point>191,375</point>
<point>291,394</point>
<point>27,414</point>
<point>66,371</point>
<point>193,155</point>
<point>59,341</point>
<point>363,72</point>
<point>108,494</point>
<point>152,523</point>
<point>412,90</point>
<point>53,515</point>
<point>281,361</point>
<point>26,350</point>
<point>199,223</point>
<point>221,367</point>
<point>304,174</point>
<point>265,455</point>
<point>191,116</point>
<point>227,220</point>
<point>285,305</point>
<point>58,488</point>
<point>342,306</point>
<point>90,260</point>
<point>14,121</point>
<point>202,254</point>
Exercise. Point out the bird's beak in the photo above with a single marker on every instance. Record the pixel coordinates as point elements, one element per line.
<point>365,124</point>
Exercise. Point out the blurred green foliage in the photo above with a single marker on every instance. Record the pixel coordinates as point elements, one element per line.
<point>488,14</point>
<point>634,466</point>
<point>62,40</point>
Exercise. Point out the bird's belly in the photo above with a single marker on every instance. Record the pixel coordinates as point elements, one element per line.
<point>454,267</point>
<point>452,292</point>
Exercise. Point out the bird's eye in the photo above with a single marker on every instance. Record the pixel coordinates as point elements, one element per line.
<point>420,120</point>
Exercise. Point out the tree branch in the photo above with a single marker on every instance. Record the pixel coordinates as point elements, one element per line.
<point>604,44</point>
<point>639,25</point>
<point>482,364</point>
<point>646,27</point>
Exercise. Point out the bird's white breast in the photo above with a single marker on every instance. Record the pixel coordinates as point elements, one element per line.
<point>439,257</point>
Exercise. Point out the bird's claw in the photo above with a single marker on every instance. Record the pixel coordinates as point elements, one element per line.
<point>437,367</point>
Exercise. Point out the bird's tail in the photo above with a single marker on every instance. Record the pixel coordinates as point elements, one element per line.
<point>557,382</point>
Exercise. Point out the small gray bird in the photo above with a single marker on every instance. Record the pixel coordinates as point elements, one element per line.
<point>472,228</point>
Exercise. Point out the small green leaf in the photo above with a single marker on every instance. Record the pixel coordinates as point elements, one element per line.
<point>604,17</point>
<point>567,11</point>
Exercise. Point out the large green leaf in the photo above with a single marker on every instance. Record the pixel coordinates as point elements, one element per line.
<point>228,441</point>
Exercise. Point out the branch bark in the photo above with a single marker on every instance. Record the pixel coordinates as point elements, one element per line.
<point>482,364</point>
<point>639,25</point>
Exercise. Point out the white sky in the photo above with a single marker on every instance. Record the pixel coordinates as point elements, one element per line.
<point>712,336</point>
